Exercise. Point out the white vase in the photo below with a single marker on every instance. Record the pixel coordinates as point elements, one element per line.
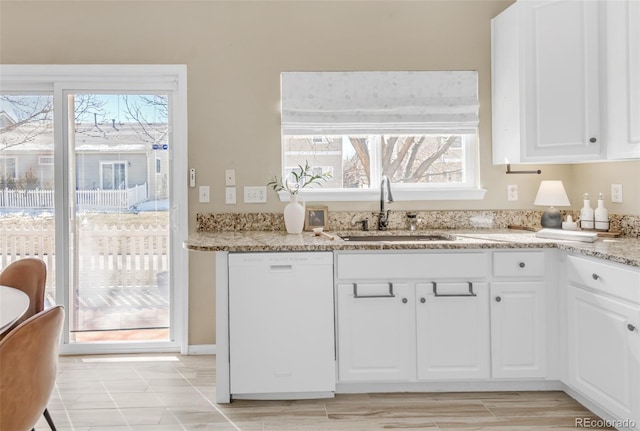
<point>294,215</point>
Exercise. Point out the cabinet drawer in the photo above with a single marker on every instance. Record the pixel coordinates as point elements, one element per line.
<point>426,266</point>
<point>518,264</point>
<point>608,278</point>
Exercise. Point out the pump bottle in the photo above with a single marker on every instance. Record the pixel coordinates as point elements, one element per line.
<point>586,213</point>
<point>601,215</point>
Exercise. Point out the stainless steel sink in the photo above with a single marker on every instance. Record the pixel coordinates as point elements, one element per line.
<point>398,238</point>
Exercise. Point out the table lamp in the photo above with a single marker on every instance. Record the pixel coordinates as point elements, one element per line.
<point>551,193</point>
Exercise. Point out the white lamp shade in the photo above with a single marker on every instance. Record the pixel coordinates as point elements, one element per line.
<point>551,193</point>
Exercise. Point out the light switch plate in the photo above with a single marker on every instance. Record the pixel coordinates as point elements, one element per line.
<point>255,195</point>
<point>203,194</point>
<point>230,195</point>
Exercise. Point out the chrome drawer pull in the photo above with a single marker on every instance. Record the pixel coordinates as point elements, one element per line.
<point>630,327</point>
<point>405,300</point>
<point>521,264</point>
<point>435,291</point>
<point>595,276</point>
<point>423,300</point>
<point>498,299</point>
<point>389,295</point>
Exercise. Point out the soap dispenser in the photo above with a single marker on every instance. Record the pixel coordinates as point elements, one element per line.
<point>601,215</point>
<point>586,214</point>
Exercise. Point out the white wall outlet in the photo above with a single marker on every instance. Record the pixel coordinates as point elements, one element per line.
<point>512,192</point>
<point>230,177</point>
<point>203,194</point>
<point>255,195</point>
<point>230,195</point>
<point>616,193</point>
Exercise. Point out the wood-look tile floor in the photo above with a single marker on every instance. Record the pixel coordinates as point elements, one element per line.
<point>167,392</point>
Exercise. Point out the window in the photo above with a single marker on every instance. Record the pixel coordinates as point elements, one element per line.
<point>113,176</point>
<point>417,128</point>
<point>8,170</point>
<point>45,161</point>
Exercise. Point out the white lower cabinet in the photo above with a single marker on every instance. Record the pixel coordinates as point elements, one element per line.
<point>376,332</point>
<point>452,337</point>
<point>604,336</point>
<point>518,330</point>
<point>428,319</point>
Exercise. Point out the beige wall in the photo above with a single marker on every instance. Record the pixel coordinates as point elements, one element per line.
<point>235,51</point>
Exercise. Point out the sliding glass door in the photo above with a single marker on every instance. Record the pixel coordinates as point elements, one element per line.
<point>87,183</point>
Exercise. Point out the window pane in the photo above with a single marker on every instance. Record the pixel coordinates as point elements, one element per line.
<point>27,184</point>
<point>347,158</point>
<point>423,158</point>
<point>357,161</point>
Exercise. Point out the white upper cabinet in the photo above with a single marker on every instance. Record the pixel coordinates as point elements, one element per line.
<point>622,52</point>
<point>564,88</point>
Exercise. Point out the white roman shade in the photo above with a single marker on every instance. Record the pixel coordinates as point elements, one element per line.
<point>379,102</point>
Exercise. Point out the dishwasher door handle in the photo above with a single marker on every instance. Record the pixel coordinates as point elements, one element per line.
<point>281,268</point>
<point>387,295</point>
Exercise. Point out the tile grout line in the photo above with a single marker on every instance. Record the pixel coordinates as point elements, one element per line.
<point>227,418</point>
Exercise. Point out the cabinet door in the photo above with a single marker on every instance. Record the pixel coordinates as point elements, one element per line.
<point>604,351</point>
<point>623,78</point>
<point>452,331</point>
<point>518,330</point>
<point>376,332</point>
<point>560,64</point>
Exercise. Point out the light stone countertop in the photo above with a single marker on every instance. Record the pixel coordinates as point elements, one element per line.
<point>620,250</point>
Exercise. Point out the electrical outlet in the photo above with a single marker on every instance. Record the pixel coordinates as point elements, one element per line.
<point>616,193</point>
<point>230,195</point>
<point>512,192</point>
<point>255,195</point>
<point>203,194</point>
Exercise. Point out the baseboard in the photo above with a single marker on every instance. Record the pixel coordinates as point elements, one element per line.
<point>462,386</point>
<point>202,349</point>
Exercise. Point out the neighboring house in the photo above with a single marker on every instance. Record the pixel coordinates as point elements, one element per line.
<point>108,156</point>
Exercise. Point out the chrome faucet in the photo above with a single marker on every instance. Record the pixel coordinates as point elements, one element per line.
<point>383,219</point>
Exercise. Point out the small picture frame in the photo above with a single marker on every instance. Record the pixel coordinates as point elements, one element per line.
<point>316,217</point>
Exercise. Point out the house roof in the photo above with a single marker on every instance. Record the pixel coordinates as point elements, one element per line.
<point>89,137</point>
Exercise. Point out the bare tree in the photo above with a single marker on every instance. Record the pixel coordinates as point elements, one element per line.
<point>404,159</point>
<point>136,111</point>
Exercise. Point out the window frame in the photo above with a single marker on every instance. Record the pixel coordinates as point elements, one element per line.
<point>469,190</point>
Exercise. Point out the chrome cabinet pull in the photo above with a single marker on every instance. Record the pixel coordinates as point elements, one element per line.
<point>389,295</point>
<point>630,327</point>
<point>595,276</point>
<point>423,300</point>
<point>521,264</point>
<point>498,299</point>
<point>435,291</point>
<point>405,300</point>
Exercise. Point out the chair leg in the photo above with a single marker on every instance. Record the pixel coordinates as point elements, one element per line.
<point>47,416</point>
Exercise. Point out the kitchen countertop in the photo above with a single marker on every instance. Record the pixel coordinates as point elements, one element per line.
<point>620,250</point>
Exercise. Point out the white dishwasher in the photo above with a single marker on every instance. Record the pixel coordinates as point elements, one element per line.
<point>281,326</point>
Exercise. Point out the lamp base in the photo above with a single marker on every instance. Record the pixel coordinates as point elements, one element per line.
<point>551,218</point>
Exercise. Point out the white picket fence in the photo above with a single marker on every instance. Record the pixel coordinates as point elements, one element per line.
<point>85,199</point>
<point>114,258</point>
